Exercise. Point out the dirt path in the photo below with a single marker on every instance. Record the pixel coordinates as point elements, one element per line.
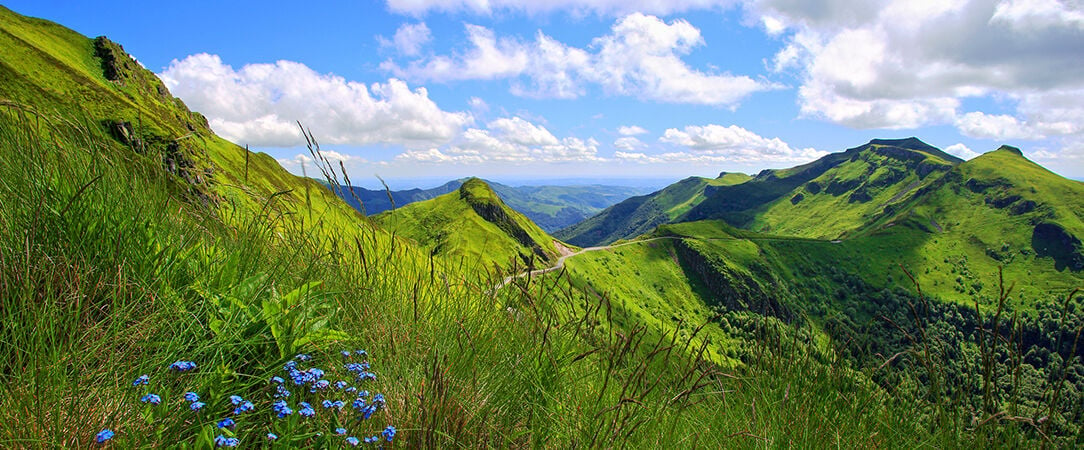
<point>567,252</point>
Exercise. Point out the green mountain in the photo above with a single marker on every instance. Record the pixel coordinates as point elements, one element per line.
<point>133,239</point>
<point>550,207</point>
<point>827,198</point>
<point>641,214</point>
<point>60,75</point>
<point>472,223</point>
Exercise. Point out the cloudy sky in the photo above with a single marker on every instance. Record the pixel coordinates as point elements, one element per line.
<point>611,88</point>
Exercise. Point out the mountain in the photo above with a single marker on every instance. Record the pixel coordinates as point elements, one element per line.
<point>473,223</point>
<point>551,207</point>
<point>639,215</point>
<point>61,76</point>
<point>132,237</point>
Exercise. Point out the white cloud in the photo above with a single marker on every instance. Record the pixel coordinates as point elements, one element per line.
<point>995,126</point>
<point>961,151</point>
<point>409,38</point>
<point>577,7</point>
<point>261,103</point>
<point>509,140</point>
<point>305,161</point>
<point>733,144</point>
<point>640,57</point>
<point>522,132</point>
<point>1024,14</point>
<point>908,63</point>
<point>629,143</point>
<point>631,130</point>
<point>488,58</point>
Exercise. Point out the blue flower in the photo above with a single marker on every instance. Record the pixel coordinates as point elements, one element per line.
<point>345,353</point>
<point>378,400</point>
<point>351,389</point>
<point>281,392</point>
<point>142,379</point>
<point>363,394</point>
<point>359,403</point>
<point>191,397</point>
<point>360,352</point>
<point>236,399</point>
<point>183,366</point>
<point>285,412</point>
<point>223,441</point>
<point>389,433</point>
<point>196,406</point>
<point>306,411</point>
<point>352,441</point>
<point>368,411</point>
<point>372,440</point>
<point>153,399</point>
<point>340,385</point>
<point>244,407</point>
<point>340,431</point>
<point>322,384</point>
<point>272,437</point>
<point>302,357</point>
<point>104,435</point>
<point>226,423</point>
<point>277,380</point>
<point>328,404</point>
<point>290,366</point>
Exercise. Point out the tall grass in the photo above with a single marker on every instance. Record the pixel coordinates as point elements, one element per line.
<point>107,272</point>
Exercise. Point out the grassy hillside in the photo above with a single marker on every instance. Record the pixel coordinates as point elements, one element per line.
<point>132,240</point>
<point>639,215</point>
<point>879,177</point>
<point>549,207</point>
<point>474,224</point>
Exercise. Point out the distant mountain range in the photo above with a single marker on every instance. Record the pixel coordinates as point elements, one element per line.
<point>551,207</point>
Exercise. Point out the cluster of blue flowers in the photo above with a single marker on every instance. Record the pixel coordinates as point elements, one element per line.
<point>311,384</point>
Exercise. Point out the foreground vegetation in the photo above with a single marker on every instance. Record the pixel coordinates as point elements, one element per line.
<point>135,242</point>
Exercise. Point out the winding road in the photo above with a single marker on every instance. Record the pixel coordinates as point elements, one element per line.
<point>567,253</point>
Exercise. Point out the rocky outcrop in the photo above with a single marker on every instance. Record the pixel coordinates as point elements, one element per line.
<point>731,288</point>
<point>1049,239</point>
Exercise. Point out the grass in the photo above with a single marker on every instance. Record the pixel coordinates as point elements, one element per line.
<point>112,266</point>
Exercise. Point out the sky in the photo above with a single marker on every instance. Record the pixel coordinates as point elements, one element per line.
<point>610,89</point>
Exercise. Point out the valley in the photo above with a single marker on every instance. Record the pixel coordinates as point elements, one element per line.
<point>157,280</point>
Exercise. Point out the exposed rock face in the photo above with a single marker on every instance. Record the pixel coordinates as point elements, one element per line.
<point>1051,240</point>
<point>493,211</point>
<point>731,289</point>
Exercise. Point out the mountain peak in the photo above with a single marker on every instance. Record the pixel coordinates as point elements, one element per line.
<point>912,143</point>
<point>1010,149</point>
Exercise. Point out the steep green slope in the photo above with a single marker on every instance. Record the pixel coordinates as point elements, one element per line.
<point>639,215</point>
<point>876,179</point>
<point>550,207</point>
<point>472,223</point>
<point>59,73</point>
<point>831,196</point>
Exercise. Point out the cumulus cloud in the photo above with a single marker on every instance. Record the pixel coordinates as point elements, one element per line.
<point>640,57</point>
<point>259,104</point>
<point>578,7</point>
<point>995,126</point>
<point>409,38</point>
<point>961,151</point>
<point>629,143</point>
<point>908,63</point>
<point>631,130</point>
<point>509,140</point>
<point>304,163</point>
<point>732,144</point>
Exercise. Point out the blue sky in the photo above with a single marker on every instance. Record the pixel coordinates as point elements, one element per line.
<point>602,89</point>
